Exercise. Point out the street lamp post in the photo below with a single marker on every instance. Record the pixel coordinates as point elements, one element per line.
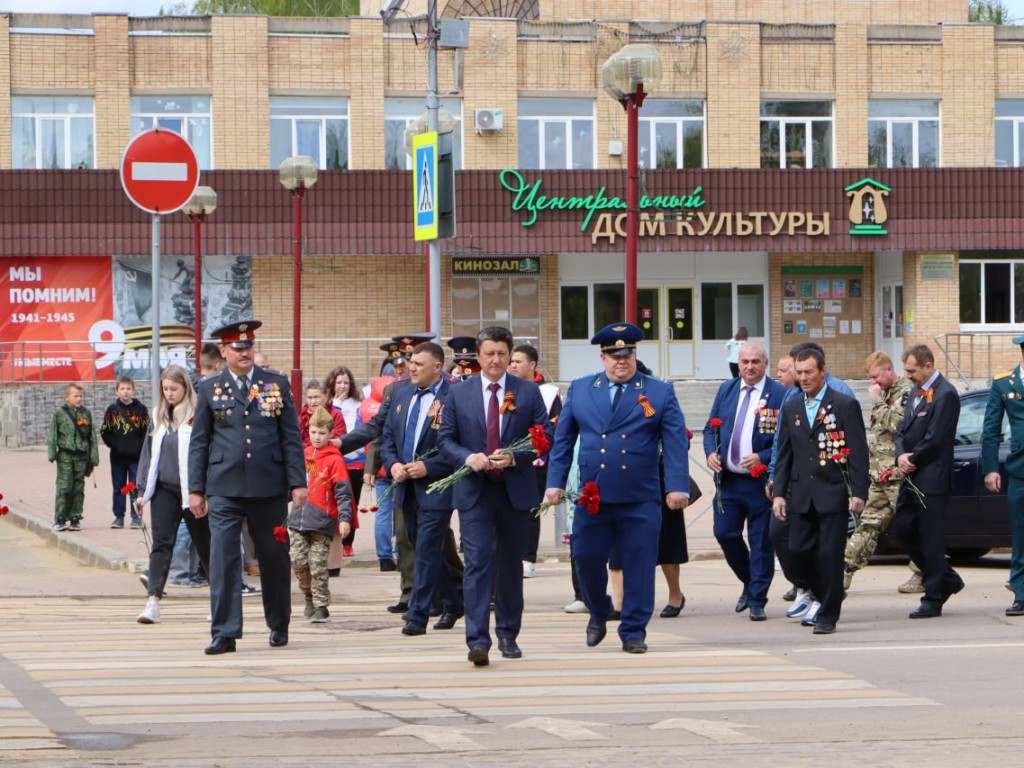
<point>202,202</point>
<point>297,175</point>
<point>630,74</point>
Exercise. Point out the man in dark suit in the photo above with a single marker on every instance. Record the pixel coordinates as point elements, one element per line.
<point>924,456</point>
<point>621,418</point>
<point>245,462</point>
<point>482,415</point>
<point>821,477</point>
<point>748,408</point>
<point>409,453</point>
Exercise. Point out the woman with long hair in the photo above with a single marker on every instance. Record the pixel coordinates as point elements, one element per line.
<point>163,483</point>
<point>343,393</point>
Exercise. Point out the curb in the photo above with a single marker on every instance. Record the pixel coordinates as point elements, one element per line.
<point>81,549</point>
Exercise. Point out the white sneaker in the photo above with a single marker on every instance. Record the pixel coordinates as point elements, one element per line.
<point>529,569</point>
<point>802,604</point>
<point>812,614</point>
<point>152,613</point>
<point>576,606</point>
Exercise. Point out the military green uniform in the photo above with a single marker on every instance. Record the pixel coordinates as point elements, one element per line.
<point>1007,396</point>
<point>71,442</point>
<point>886,418</point>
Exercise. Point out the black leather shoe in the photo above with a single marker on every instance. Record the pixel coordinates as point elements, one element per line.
<point>387,564</point>
<point>447,620</point>
<point>478,655</point>
<point>757,613</point>
<point>220,645</point>
<point>821,628</point>
<point>615,615</point>
<point>925,611</point>
<point>1017,609</point>
<point>278,639</point>
<point>399,607</point>
<point>671,611</point>
<point>790,595</point>
<point>744,602</point>
<point>509,649</point>
<point>634,645</point>
<point>596,630</point>
<point>412,628</point>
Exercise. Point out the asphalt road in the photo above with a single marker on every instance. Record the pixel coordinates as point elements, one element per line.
<point>81,683</point>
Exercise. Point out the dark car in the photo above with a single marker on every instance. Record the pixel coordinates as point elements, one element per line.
<point>976,520</point>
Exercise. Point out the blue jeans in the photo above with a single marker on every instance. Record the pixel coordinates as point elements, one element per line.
<point>185,564</point>
<point>120,474</point>
<point>383,524</point>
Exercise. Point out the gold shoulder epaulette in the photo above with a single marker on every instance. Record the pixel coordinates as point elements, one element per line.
<point>1004,374</point>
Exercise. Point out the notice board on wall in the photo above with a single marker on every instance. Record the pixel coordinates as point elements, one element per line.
<point>822,302</point>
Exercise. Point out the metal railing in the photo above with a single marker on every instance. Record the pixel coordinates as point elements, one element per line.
<point>977,356</point>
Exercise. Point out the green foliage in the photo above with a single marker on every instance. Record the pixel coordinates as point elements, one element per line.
<point>989,11</point>
<point>325,8</point>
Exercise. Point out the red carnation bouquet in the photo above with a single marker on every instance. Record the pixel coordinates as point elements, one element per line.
<point>129,489</point>
<point>588,497</point>
<point>535,439</point>
<point>4,509</point>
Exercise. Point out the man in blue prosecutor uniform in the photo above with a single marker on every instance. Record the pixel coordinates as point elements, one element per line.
<point>748,408</point>
<point>622,420</point>
<point>482,415</point>
<point>1006,396</point>
<point>409,455</point>
<point>245,462</point>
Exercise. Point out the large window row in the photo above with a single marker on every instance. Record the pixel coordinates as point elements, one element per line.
<point>59,131</point>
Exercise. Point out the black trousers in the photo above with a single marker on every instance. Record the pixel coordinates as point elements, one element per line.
<point>165,515</point>
<point>778,532</point>
<point>817,544</point>
<point>919,529</point>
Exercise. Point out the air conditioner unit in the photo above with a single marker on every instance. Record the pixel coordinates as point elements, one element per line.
<point>488,120</point>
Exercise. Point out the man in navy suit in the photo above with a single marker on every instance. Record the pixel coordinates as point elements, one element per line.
<point>409,454</point>
<point>481,416</point>
<point>748,408</point>
<point>622,419</point>
<point>245,462</point>
<point>821,477</point>
<point>924,455</point>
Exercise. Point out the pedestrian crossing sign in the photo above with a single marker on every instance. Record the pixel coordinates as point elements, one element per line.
<point>424,185</point>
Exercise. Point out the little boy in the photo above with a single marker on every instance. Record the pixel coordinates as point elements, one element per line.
<point>328,510</point>
<point>71,442</point>
<point>123,431</point>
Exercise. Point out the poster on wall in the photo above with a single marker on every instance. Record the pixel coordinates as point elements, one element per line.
<point>50,306</point>
<point>89,317</point>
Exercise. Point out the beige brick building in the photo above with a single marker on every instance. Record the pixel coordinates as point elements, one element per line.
<point>773,110</point>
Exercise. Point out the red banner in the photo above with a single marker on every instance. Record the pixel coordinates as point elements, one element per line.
<point>52,307</point>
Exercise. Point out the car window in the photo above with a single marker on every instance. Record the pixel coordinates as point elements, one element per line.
<point>972,418</point>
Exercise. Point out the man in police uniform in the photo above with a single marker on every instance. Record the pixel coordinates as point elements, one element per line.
<point>245,462</point>
<point>1007,397</point>
<point>620,418</point>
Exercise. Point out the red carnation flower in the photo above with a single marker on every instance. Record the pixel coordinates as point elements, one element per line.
<point>844,451</point>
<point>836,456</point>
<point>127,488</point>
<point>590,497</point>
<point>281,534</point>
<point>759,470</point>
<point>4,509</point>
<point>689,434</point>
<point>715,423</point>
<point>539,440</point>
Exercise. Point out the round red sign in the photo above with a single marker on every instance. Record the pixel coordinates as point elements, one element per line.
<point>159,171</point>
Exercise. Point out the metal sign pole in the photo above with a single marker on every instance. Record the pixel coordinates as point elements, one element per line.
<point>154,360</point>
<point>433,104</point>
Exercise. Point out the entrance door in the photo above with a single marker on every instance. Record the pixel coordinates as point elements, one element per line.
<point>891,321</point>
<point>679,321</point>
<point>649,317</point>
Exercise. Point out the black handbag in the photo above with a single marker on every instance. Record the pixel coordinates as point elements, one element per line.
<point>695,492</point>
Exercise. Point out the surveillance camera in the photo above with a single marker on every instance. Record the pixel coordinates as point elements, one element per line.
<point>389,10</point>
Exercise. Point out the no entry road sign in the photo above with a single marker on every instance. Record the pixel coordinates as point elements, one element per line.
<point>159,171</point>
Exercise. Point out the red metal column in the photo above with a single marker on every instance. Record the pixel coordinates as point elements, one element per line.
<point>296,377</point>
<point>197,230</point>
<point>633,104</point>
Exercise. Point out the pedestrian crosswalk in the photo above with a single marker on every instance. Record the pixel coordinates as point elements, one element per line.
<point>71,665</point>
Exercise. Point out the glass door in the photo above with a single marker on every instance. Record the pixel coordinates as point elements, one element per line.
<point>892,321</point>
<point>679,342</point>
<point>648,317</point>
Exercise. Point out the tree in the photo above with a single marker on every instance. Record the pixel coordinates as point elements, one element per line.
<point>262,7</point>
<point>989,11</point>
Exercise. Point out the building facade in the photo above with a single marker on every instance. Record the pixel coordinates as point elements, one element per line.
<point>843,172</point>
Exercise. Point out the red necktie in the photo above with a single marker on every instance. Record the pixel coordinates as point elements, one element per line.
<point>493,428</point>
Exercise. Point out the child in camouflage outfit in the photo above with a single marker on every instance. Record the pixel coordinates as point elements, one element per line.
<point>328,510</point>
<point>71,442</point>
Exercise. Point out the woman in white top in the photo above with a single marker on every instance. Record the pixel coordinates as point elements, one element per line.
<point>163,482</point>
<point>732,346</point>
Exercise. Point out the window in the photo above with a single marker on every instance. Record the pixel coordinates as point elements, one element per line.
<point>671,134</point>
<point>317,127</point>
<point>511,302</point>
<point>717,302</point>
<point>398,113</point>
<point>607,299</point>
<point>971,422</point>
<point>903,134</point>
<point>556,134</point>
<point>53,132</point>
<point>796,134</point>
<point>992,291</point>
<point>188,116</point>
<point>1009,132</point>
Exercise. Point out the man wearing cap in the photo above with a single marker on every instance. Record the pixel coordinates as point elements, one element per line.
<point>245,462</point>
<point>482,415</point>
<point>620,418</point>
<point>1006,396</point>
